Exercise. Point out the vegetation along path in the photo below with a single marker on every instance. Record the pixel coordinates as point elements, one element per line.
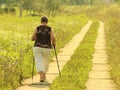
<point>99,77</point>
<point>64,55</point>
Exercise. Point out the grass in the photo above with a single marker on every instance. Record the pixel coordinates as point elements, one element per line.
<point>67,26</point>
<point>112,31</point>
<point>75,73</point>
<point>110,16</point>
<point>113,43</point>
<point>16,33</point>
<point>16,46</point>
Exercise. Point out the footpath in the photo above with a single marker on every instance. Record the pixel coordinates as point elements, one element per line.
<point>99,77</point>
<point>64,56</point>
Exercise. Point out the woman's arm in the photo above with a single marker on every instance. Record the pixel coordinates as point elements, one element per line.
<point>34,35</point>
<point>53,38</point>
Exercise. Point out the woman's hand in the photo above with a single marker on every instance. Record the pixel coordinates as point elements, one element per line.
<point>34,35</point>
<point>53,38</point>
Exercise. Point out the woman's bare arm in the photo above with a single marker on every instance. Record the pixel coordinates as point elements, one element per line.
<point>34,35</point>
<point>53,40</point>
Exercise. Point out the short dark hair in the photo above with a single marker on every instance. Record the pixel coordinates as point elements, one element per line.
<point>44,19</point>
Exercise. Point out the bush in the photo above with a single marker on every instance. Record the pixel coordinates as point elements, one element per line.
<point>13,10</point>
<point>9,10</point>
<point>5,10</point>
<point>1,11</point>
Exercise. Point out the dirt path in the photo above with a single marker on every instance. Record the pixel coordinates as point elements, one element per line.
<point>99,77</point>
<point>64,55</point>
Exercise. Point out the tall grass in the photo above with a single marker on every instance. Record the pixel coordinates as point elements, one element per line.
<point>110,15</point>
<point>111,18</point>
<point>75,72</point>
<point>16,45</point>
<point>113,44</point>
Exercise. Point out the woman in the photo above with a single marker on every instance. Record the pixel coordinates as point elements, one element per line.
<point>44,39</point>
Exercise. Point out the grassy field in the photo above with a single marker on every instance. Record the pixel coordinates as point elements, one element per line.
<point>75,77</point>
<point>110,15</point>
<point>113,44</point>
<point>16,46</point>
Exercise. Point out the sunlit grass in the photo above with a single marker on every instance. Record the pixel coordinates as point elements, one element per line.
<point>15,37</point>
<point>113,44</point>
<point>75,72</point>
<point>16,46</point>
<point>110,16</point>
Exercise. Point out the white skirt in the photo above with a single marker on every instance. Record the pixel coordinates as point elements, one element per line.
<point>42,58</point>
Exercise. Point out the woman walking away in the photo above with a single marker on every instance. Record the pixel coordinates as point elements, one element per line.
<point>44,39</point>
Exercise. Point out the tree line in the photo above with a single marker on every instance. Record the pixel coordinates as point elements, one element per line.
<point>50,6</point>
<point>31,6</point>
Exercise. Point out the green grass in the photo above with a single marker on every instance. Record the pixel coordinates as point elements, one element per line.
<point>15,35</point>
<point>110,15</point>
<point>75,73</point>
<point>112,31</point>
<point>16,45</point>
<point>113,47</point>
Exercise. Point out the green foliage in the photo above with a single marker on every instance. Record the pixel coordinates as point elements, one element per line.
<point>16,47</point>
<point>1,11</point>
<point>67,26</point>
<point>9,10</point>
<point>49,7</point>
<point>75,72</point>
<point>5,10</point>
<point>87,2</point>
<point>113,43</point>
<point>117,0</point>
<point>112,29</point>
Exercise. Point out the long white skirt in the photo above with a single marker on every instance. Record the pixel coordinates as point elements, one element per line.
<point>42,58</point>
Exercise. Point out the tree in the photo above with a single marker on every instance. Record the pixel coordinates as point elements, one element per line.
<point>108,1</point>
<point>52,6</point>
<point>21,7</point>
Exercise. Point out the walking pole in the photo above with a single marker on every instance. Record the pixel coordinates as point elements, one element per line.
<point>33,69</point>
<point>57,60</point>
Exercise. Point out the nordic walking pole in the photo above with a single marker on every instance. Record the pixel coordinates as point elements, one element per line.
<point>57,60</point>
<point>33,69</point>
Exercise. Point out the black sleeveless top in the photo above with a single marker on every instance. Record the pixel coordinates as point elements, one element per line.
<point>43,38</point>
